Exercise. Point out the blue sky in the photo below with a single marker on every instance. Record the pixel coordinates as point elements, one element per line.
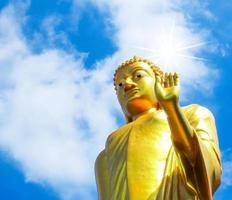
<point>57,102</point>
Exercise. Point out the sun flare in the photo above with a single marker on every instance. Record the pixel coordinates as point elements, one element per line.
<point>171,49</point>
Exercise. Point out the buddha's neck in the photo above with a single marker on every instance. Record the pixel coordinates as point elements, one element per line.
<point>151,110</point>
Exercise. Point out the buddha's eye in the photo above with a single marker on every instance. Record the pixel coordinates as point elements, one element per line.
<point>120,84</point>
<point>139,74</point>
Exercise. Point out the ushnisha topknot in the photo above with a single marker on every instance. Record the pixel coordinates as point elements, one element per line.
<point>135,59</point>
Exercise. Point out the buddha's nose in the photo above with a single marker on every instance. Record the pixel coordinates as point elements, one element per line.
<point>129,86</point>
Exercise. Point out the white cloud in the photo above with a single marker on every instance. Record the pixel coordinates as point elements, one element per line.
<point>227,174</point>
<point>162,26</point>
<point>227,168</point>
<point>49,108</point>
<point>49,26</point>
<point>56,114</point>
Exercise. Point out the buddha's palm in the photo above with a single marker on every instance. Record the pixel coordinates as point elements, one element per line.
<point>167,89</point>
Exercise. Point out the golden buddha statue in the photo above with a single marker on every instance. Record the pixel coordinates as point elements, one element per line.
<point>164,151</point>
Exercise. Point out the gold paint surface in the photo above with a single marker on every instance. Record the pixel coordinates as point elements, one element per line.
<point>164,152</point>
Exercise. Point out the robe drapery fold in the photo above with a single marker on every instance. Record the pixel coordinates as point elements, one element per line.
<point>140,161</point>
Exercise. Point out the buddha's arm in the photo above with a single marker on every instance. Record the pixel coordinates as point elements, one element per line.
<point>208,162</point>
<point>102,177</point>
<point>194,137</point>
<point>167,91</point>
<point>205,160</point>
<point>183,135</point>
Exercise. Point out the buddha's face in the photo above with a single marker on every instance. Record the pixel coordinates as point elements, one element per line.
<point>135,88</point>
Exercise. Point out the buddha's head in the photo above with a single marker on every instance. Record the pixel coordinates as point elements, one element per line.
<point>134,82</point>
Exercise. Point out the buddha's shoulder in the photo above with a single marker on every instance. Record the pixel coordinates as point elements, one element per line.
<point>120,131</point>
<point>100,160</point>
<point>196,110</point>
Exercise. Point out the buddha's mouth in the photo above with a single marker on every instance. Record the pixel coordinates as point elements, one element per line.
<point>131,92</point>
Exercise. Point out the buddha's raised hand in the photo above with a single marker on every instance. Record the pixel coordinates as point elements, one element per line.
<point>167,89</point>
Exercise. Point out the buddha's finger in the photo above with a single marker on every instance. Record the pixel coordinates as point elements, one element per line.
<point>176,79</point>
<point>158,86</point>
<point>166,80</point>
<point>158,79</point>
<point>171,81</point>
<point>162,81</point>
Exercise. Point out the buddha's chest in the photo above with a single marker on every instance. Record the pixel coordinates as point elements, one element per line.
<point>143,145</point>
<point>147,152</point>
<point>139,153</point>
<point>149,142</point>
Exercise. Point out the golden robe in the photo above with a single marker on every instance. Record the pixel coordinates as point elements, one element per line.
<point>140,161</point>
